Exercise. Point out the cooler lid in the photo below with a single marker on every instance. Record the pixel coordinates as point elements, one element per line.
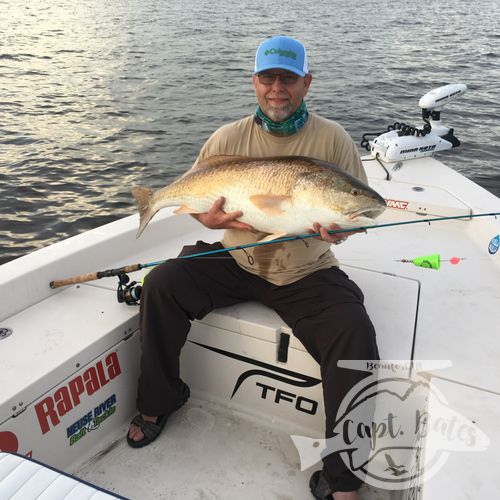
<point>391,302</point>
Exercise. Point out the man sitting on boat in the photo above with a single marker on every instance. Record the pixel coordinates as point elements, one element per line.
<point>301,282</point>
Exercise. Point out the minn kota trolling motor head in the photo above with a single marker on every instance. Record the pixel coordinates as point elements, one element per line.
<point>403,142</point>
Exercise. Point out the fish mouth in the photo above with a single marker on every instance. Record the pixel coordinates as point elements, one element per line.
<point>368,212</point>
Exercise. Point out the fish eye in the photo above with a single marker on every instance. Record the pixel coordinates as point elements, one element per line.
<point>354,191</point>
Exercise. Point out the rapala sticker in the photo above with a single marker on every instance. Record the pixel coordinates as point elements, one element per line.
<point>91,420</point>
<point>66,398</point>
<point>494,244</point>
<point>399,204</point>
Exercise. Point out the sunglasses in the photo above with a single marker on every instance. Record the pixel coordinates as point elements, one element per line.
<point>284,78</point>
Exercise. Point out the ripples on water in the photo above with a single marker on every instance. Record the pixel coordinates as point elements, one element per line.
<point>98,96</point>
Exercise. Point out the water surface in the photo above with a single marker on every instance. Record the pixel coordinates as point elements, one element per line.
<point>96,96</point>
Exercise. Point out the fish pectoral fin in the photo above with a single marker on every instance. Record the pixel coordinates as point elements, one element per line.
<point>272,237</point>
<point>270,204</point>
<point>184,209</point>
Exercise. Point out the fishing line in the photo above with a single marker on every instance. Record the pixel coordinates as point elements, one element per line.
<point>335,231</point>
<point>137,267</point>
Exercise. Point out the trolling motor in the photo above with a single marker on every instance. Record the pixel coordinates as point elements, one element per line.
<point>130,293</point>
<point>403,142</point>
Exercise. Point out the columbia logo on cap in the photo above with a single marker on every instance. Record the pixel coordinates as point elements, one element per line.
<point>283,53</point>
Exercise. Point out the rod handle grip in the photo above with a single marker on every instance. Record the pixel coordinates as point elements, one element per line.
<point>82,278</point>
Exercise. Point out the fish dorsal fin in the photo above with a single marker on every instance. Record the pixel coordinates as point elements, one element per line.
<point>213,161</point>
<point>270,204</point>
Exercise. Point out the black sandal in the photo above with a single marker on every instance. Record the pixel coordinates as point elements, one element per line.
<point>152,430</point>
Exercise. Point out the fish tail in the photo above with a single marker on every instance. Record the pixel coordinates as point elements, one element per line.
<point>146,212</point>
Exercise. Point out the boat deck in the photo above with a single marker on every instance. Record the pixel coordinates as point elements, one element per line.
<point>212,453</point>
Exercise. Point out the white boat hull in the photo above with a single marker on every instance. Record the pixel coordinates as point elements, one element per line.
<point>59,380</point>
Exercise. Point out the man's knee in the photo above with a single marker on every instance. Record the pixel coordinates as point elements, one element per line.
<point>344,330</point>
<point>358,333</point>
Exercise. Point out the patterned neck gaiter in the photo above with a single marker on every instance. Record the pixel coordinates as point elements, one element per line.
<point>290,126</point>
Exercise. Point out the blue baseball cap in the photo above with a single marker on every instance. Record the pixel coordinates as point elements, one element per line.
<point>281,52</point>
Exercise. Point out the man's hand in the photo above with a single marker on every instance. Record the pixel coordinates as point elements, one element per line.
<point>331,238</point>
<point>216,218</point>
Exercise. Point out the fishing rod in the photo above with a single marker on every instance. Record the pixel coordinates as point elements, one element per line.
<point>130,293</point>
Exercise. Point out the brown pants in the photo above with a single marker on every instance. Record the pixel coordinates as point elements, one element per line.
<point>325,311</point>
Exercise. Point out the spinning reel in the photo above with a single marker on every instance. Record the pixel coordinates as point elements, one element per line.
<point>130,293</point>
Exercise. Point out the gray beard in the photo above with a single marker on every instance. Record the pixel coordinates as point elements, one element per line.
<point>279,114</point>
